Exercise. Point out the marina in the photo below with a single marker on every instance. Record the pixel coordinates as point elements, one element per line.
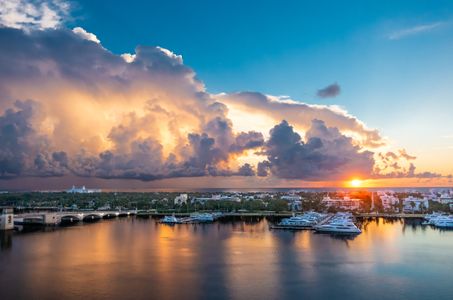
<point>345,223</point>
<point>339,223</point>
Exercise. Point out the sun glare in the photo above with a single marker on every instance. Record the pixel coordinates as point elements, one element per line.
<point>356,183</point>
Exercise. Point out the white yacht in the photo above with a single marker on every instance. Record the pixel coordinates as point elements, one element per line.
<point>308,219</point>
<point>339,226</point>
<point>428,217</point>
<point>296,221</point>
<point>170,220</point>
<point>434,218</point>
<point>444,222</point>
<point>339,223</point>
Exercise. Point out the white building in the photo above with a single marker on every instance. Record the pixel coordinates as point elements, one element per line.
<point>295,205</point>
<point>82,190</point>
<point>388,200</point>
<point>345,203</point>
<point>412,204</point>
<point>202,200</point>
<point>446,198</point>
<point>105,207</point>
<point>264,195</point>
<point>182,198</point>
<point>291,198</point>
<point>6,218</point>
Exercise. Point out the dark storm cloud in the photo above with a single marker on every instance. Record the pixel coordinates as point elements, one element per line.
<point>22,150</point>
<point>263,168</point>
<point>329,91</point>
<point>247,140</point>
<point>15,127</point>
<point>326,154</point>
<point>246,170</point>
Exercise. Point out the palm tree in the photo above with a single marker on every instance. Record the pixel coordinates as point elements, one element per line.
<point>422,207</point>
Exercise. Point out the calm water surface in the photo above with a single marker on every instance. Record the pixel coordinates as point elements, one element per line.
<point>241,259</point>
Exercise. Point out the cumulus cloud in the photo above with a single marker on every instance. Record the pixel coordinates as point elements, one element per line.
<point>399,165</point>
<point>35,14</point>
<point>23,151</point>
<point>86,35</point>
<point>409,172</point>
<point>326,154</point>
<point>246,170</point>
<point>128,57</point>
<point>153,118</point>
<point>301,115</point>
<point>329,91</point>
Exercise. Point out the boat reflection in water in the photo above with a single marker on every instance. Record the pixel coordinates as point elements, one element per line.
<point>238,258</point>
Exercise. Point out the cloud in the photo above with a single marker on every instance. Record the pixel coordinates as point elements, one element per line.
<point>246,170</point>
<point>69,107</point>
<point>399,165</point>
<point>408,173</point>
<point>86,35</point>
<point>404,154</point>
<point>23,151</point>
<point>300,115</point>
<point>128,57</point>
<point>411,31</point>
<point>329,91</point>
<point>247,140</point>
<point>29,15</point>
<point>153,118</point>
<point>326,154</point>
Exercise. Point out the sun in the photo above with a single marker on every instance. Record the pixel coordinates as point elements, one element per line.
<point>356,183</point>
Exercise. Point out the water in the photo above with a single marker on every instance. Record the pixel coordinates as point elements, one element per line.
<point>137,259</point>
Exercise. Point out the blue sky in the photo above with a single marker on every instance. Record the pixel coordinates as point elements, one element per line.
<point>291,49</point>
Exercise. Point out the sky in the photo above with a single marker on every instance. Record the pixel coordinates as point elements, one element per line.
<point>225,93</point>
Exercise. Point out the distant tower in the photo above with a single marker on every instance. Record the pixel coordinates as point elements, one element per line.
<point>6,219</point>
<point>372,201</point>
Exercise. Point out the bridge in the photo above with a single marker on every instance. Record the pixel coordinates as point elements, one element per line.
<point>55,218</point>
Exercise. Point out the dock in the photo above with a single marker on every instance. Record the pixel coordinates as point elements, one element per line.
<point>290,227</point>
<point>390,216</point>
